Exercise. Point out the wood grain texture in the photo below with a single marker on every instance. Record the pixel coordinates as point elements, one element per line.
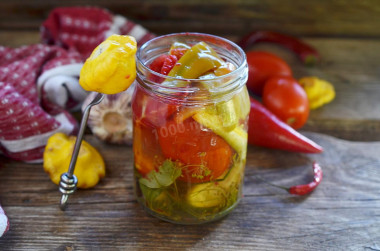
<point>341,214</point>
<point>352,65</point>
<point>312,18</point>
<point>19,38</point>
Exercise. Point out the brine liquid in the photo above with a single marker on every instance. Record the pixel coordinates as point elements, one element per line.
<point>184,172</point>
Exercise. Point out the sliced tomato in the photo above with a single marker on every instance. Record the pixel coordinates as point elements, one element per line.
<point>157,64</point>
<point>147,153</point>
<point>163,65</point>
<point>178,52</point>
<point>168,64</point>
<point>150,110</point>
<point>204,156</point>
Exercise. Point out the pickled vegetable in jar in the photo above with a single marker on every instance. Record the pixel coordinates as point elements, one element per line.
<point>190,112</point>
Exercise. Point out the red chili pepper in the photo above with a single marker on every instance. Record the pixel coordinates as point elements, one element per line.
<point>305,52</point>
<point>265,129</point>
<point>308,188</point>
<point>305,188</point>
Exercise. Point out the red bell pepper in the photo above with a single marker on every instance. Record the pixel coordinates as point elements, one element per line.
<point>305,52</point>
<point>265,129</point>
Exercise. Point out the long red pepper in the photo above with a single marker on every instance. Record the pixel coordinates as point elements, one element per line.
<point>265,129</point>
<point>305,52</point>
<point>308,188</point>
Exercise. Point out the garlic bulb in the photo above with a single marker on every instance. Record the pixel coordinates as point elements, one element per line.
<point>111,120</point>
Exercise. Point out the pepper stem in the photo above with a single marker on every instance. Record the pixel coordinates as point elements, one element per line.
<point>269,183</point>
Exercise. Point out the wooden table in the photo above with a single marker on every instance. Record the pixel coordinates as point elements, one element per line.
<point>343,213</point>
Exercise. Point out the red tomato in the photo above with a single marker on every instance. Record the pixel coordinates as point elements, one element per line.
<point>163,64</point>
<point>178,52</point>
<point>287,100</point>
<point>168,65</point>
<point>262,66</point>
<point>150,110</point>
<point>146,149</point>
<point>157,64</point>
<point>205,156</point>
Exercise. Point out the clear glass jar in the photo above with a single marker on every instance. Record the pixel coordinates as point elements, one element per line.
<point>190,135</point>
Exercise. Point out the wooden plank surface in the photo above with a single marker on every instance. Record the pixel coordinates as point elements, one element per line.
<point>348,18</point>
<point>352,65</point>
<point>341,214</point>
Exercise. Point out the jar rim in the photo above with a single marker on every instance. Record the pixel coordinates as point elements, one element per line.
<point>227,85</point>
<point>240,67</point>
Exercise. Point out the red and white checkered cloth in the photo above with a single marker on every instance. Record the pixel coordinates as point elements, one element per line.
<point>25,123</point>
<point>39,83</point>
<point>83,28</point>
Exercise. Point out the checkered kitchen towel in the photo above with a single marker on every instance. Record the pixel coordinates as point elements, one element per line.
<point>25,123</point>
<point>39,83</point>
<point>83,28</point>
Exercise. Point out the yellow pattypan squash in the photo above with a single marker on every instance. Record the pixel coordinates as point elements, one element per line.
<point>111,68</point>
<point>89,168</point>
<point>318,91</point>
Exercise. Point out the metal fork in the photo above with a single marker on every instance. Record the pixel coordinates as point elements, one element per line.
<point>68,183</point>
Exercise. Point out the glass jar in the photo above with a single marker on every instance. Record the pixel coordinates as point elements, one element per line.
<point>190,135</point>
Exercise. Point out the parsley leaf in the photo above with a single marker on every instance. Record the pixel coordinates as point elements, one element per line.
<point>165,176</point>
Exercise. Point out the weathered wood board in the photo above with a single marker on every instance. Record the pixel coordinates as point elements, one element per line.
<point>341,214</point>
<point>352,65</point>
<point>225,17</point>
